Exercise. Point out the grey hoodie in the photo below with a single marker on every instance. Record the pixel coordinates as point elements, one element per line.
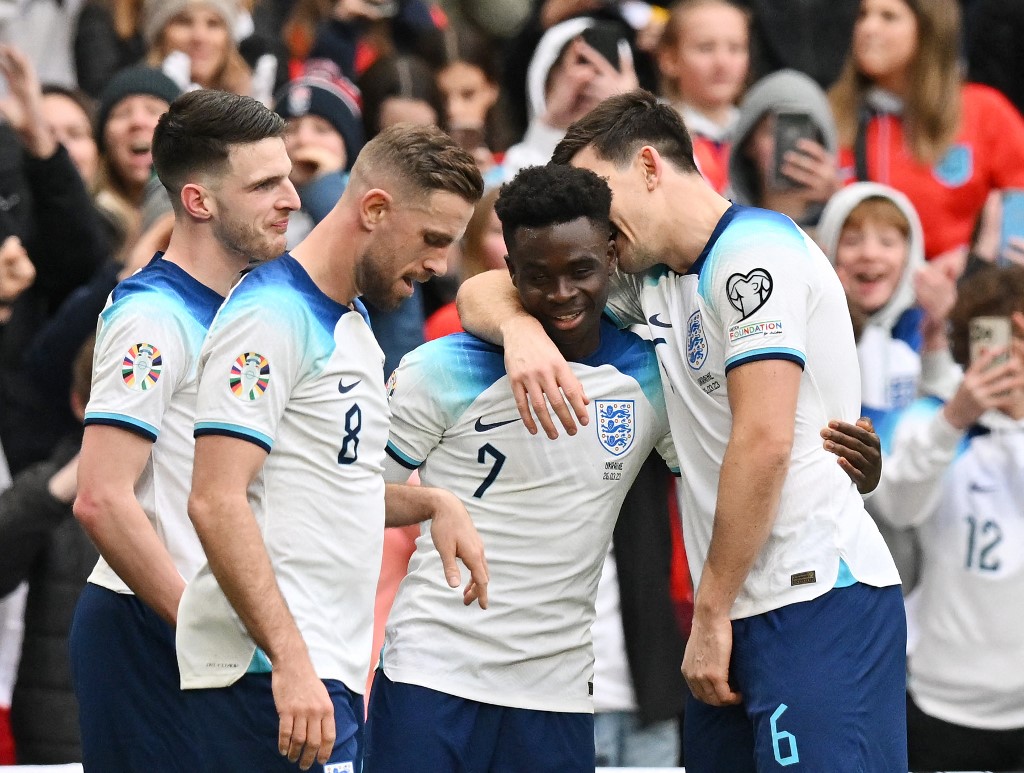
<point>785,91</point>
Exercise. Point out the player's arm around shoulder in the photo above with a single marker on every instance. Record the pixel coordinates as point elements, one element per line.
<point>219,508</point>
<point>489,308</point>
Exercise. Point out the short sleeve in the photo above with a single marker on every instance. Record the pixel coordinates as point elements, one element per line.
<point>1005,145</point>
<point>250,364</point>
<point>139,362</point>
<point>417,418</point>
<point>757,288</point>
<point>624,300</point>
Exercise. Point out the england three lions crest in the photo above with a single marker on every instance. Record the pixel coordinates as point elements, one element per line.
<point>696,342</point>
<point>615,424</point>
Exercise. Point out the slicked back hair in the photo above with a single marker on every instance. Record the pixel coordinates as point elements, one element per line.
<point>541,196</point>
<point>198,130</point>
<point>422,159</point>
<point>618,127</point>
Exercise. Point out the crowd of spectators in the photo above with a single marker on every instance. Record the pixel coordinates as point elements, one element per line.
<point>907,167</point>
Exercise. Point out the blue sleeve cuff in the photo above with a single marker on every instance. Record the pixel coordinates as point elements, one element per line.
<point>233,430</point>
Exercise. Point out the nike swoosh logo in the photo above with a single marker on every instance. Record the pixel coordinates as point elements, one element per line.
<point>656,321</point>
<point>481,427</point>
<point>979,489</point>
<point>346,389</point>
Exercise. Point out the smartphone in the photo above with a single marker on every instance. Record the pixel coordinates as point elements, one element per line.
<point>1012,224</point>
<point>985,333</point>
<point>789,128</point>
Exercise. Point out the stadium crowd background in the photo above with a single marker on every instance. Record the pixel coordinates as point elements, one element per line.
<point>84,83</point>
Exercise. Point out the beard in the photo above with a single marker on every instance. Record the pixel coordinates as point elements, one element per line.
<point>246,240</point>
<point>376,285</point>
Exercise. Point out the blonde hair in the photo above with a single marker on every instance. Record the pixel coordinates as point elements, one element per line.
<point>233,75</point>
<point>931,112</point>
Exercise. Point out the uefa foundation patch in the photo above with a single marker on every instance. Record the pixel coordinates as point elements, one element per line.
<point>250,376</point>
<point>141,366</point>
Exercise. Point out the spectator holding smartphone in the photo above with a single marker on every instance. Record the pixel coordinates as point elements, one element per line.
<point>799,178</point>
<point>906,119</point>
<point>955,474</point>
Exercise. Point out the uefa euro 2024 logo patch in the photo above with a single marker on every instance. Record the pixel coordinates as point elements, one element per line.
<point>615,424</point>
<point>696,342</point>
<point>250,376</point>
<point>141,366</point>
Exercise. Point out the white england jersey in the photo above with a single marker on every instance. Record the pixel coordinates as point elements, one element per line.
<point>761,289</point>
<point>544,509</point>
<point>144,379</point>
<point>965,494</point>
<point>301,376</point>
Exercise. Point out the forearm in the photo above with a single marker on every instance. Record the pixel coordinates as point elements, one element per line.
<point>126,539</point>
<point>238,559</point>
<point>405,505</point>
<point>488,304</point>
<point>749,490</point>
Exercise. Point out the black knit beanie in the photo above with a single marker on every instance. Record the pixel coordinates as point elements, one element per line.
<point>128,82</point>
<point>333,100</point>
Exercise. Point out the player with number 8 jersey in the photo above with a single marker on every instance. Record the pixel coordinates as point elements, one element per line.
<point>314,406</point>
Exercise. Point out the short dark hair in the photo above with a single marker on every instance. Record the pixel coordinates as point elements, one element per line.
<point>991,291</point>
<point>618,127</point>
<point>198,130</point>
<point>424,158</point>
<point>541,196</point>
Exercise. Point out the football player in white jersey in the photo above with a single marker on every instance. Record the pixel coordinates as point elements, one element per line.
<point>510,688</point>
<point>223,160</point>
<point>288,496</point>
<point>797,648</point>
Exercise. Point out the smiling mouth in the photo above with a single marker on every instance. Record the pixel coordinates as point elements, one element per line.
<point>568,320</point>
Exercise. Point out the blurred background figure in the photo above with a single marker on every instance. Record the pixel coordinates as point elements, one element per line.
<point>955,473</point>
<point>704,60</point>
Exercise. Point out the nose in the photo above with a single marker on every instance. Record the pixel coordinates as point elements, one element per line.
<point>563,290</point>
<point>437,263</point>
<point>291,198</point>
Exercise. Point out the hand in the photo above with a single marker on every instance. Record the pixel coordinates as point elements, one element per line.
<point>859,450</point>
<point>564,100</point>
<point>17,273</point>
<point>540,377</point>
<point>310,162</point>
<point>985,387</point>
<point>455,536</point>
<point>63,485</point>
<point>935,289</point>
<point>24,107</point>
<point>608,81</point>
<point>706,661</point>
<point>953,261</point>
<point>307,730</point>
<point>813,168</point>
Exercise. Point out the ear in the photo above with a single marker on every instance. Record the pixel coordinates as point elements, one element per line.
<point>493,92</point>
<point>197,201</point>
<point>668,62</point>
<point>374,207</point>
<point>652,165</point>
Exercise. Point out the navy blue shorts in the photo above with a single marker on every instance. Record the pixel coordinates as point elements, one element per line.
<point>413,728</point>
<point>823,685</point>
<point>125,674</point>
<point>239,727</point>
